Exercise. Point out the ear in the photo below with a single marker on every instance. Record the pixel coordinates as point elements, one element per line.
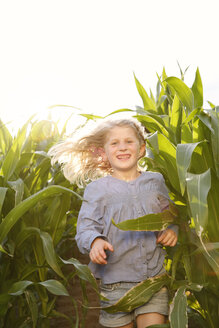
<point>142,150</point>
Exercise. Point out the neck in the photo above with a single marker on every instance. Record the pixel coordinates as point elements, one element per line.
<point>126,177</point>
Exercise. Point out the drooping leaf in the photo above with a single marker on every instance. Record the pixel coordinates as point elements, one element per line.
<point>119,111</point>
<point>183,159</point>
<point>55,287</point>
<point>139,294</point>
<point>50,252</point>
<point>91,116</point>
<point>15,214</point>
<point>153,123</point>
<point>150,222</point>
<point>19,287</point>
<point>47,243</point>
<point>83,272</point>
<point>182,90</point>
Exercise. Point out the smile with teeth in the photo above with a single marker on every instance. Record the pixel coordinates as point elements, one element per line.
<point>123,156</point>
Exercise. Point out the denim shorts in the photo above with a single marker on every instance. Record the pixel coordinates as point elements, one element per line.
<point>159,303</point>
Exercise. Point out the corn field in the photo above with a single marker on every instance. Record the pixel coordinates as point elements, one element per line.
<point>39,211</point>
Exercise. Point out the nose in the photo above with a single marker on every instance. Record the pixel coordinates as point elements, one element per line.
<point>122,146</point>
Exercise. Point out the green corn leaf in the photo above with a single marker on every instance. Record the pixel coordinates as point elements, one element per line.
<point>12,158</point>
<point>206,120</point>
<point>91,116</point>
<point>182,90</point>
<point>215,138</point>
<point>48,247</point>
<point>176,259</point>
<point>149,104</point>
<point>32,303</point>
<point>139,294</point>
<point>187,263</point>
<point>211,104</point>
<point>210,253</point>
<point>198,186</point>
<point>10,162</point>
<point>83,272</point>
<point>50,252</point>
<point>183,159</point>
<point>5,138</point>
<point>165,154</point>
<point>4,251</point>
<point>18,187</point>
<point>197,89</point>
<point>55,287</point>
<point>191,116</point>
<point>150,222</point>
<point>153,123</point>
<point>3,191</point>
<point>58,218</point>
<point>209,247</point>
<point>178,314</point>
<point>15,214</point>
<point>176,118</point>
<point>4,302</point>
<point>19,287</point>
<point>119,111</point>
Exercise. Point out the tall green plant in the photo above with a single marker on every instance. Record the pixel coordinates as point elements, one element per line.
<point>38,208</point>
<point>183,144</point>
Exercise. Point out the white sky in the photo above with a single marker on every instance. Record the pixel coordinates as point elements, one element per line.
<point>83,53</point>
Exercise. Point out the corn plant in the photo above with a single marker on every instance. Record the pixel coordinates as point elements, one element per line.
<point>38,211</point>
<point>183,144</point>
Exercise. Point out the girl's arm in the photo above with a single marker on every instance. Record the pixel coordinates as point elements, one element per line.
<point>90,224</point>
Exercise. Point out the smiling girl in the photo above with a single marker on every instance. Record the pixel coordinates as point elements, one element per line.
<point>109,156</point>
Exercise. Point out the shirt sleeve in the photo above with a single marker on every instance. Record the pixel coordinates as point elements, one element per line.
<point>90,222</point>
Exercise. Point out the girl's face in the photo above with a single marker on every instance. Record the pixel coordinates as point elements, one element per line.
<point>122,149</point>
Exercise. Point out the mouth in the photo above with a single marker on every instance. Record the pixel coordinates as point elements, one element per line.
<point>123,156</point>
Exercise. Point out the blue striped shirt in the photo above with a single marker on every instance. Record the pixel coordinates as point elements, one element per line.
<point>136,255</point>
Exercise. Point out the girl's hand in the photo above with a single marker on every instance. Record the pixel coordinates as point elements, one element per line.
<point>97,253</point>
<point>167,237</point>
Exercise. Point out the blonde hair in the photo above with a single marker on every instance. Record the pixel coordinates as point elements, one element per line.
<point>81,159</point>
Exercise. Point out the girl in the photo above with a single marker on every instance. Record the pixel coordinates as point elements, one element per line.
<point>120,259</point>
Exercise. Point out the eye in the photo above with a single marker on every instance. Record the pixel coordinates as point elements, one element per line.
<point>129,141</point>
<point>113,143</point>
